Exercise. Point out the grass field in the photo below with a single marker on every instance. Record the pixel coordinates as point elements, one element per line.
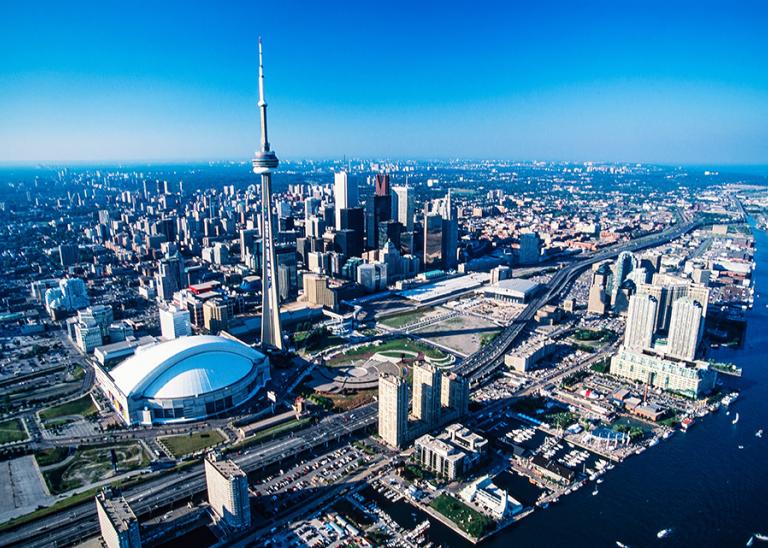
<point>12,430</point>
<point>467,519</point>
<point>405,319</point>
<point>190,443</point>
<point>47,457</point>
<point>81,406</point>
<point>389,346</point>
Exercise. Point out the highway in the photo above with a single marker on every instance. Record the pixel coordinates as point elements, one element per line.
<point>80,521</point>
<point>483,364</point>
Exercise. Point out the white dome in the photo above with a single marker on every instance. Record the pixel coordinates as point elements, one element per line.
<point>185,367</point>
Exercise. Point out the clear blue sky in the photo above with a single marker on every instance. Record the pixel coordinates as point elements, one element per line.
<point>669,82</point>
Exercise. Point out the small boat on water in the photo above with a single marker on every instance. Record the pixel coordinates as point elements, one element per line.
<point>761,537</point>
<point>594,492</point>
<point>759,433</point>
<point>664,533</point>
<point>600,480</point>
<point>741,447</point>
<point>736,418</point>
<point>751,540</point>
<point>621,544</point>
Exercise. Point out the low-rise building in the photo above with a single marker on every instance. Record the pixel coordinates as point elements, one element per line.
<point>689,378</point>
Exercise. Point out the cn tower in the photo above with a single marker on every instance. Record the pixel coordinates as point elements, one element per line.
<point>264,162</point>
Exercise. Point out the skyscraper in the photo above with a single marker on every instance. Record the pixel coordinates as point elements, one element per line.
<point>264,162</point>
<point>427,383</point>
<point>684,329</point>
<point>345,194</point>
<point>404,206</point>
<point>641,322</point>
<point>433,242</point>
<point>393,409</point>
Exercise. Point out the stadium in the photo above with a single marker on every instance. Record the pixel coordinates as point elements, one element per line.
<point>185,379</point>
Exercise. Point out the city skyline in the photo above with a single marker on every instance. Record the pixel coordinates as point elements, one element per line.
<point>679,86</point>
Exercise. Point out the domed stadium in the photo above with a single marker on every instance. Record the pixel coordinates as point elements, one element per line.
<point>184,379</point>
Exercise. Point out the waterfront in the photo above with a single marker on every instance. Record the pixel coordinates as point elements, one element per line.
<point>699,483</point>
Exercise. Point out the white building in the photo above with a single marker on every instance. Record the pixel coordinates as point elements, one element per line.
<point>227,491</point>
<point>184,379</point>
<point>404,206</point>
<point>685,329</point>
<point>118,523</point>
<point>641,322</point>
<point>393,409</point>
<point>491,499</point>
<point>372,276</point>
<point>344,193</point>
<point>174,322</point>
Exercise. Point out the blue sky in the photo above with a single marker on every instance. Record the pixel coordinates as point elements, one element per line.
<point>668,82</point>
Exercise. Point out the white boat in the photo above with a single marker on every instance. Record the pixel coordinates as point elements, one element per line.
<point>664,533</point>
<point>761,536</point>
<point>736,419</point>
<point>741,447</point>
<point>751,540</point>
<point>594,492</point>
<point>759,433</point>
<point>621,544</point>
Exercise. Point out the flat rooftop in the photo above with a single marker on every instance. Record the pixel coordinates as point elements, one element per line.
<point>118,511</point>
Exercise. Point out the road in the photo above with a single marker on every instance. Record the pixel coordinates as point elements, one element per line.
<point>80,521</point>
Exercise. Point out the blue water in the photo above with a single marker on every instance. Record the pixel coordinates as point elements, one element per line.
<point>700,484</point>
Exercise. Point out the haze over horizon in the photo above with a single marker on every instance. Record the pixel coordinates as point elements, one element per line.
<point>650,83</point>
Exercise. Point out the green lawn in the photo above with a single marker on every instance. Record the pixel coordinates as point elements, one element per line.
<point>82,406</point>
<point>405,319</point>
<point>467,519</point>
<point>12,430</point>
<point>390,346</point>
<point>190,443</point>
<point>47,457</point>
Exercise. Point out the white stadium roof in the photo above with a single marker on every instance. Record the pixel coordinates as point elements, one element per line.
<point>184,367</point>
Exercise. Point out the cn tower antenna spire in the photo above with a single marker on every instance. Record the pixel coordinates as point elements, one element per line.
<point>262,101</point>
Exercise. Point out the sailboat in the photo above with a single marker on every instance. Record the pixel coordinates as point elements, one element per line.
<point>736,419</point>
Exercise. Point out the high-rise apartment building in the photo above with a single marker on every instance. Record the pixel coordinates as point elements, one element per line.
<point>393,409</point>
<point>433,242</point>
<point>427,382</point>
<point>641,322</point>
<point>69,255</point>
<point>685,329</point>
<point>227,491</point>
<point>118,523</point>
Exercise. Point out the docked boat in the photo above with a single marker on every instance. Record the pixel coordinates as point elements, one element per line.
<point>686,423</point>
<point>664,533</point>
<point>600,480</point>
<point>594,492</point>
<point>761,537</point>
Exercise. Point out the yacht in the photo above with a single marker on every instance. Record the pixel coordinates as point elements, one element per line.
<point>664,533</point>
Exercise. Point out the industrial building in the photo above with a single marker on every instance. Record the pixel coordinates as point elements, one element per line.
<point>118,523</point>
